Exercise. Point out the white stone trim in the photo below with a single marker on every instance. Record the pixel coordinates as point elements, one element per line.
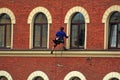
<point>30,21</point>
<point>8,12</point>
<point>38,73</point>
<point>105,20</point>
<point>74,10</point>
<point>6,74</point>
<point>68,21</point>
<point>68,53</point>
<point>13,21</point>
<point>112,75</point>
<point>74,74</point>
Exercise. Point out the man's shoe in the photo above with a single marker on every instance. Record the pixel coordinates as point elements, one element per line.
<point>64,48</point>
<point>51,51</point>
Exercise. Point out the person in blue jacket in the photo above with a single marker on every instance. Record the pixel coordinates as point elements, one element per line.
<point>60,35</point>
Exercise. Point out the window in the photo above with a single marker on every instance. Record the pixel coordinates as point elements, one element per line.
<point>5,31</point>
<point>3,78</point>
<point>40,31</point>
<point>75,78</point>
<point>38,78</point>
<point>77,31</point>
<point>38,75</point>
<point>74,75</point>
<point>114,30</point>
<point>112,76</point>
<point>114,79</point>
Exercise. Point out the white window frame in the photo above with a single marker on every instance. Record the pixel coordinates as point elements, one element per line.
<point>105,20</point>
<point>13,21</point>
<point>68,18</point>
<point>30,21</point>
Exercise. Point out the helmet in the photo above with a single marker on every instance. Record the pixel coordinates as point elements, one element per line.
<point>61,28</point>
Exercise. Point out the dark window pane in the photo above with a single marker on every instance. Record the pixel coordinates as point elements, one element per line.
<point>40,18</point>
<point>38,78</point>
<point>37,36</point>
<point>4,18</point>
<point>3,78</point>
<point>115,17</point>
<point>114,79</point>
<point>2,36</point>
<point>118,35</point>
<point>78,18</point>
<point>74,35</point>
<point>44,35</point>
<point>75,78</point>
<point>8,36</point>
<point>113,36</point>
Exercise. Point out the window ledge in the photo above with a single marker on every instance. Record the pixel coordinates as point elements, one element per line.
<point>27,53</point>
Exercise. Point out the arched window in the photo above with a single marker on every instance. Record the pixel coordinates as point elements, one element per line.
<point>77,31</point>
<point>75,78</point>
<point>5,31</point>
<point>38,75</point>
<point>3,78</point>
<point>114,30</point>
<point>40,31</point>
<point>38,78</point>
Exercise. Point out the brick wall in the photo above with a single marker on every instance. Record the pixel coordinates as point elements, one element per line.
<point>58,10</point>
<point>93,69</point>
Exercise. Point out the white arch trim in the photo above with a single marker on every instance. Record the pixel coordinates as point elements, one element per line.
<point>105,20</point>
<point>39,9</point>
<point>68,19</point>
<point>74,74</point>
<point>10,13</point>
<point>77,9</point>
<point>112,75</point>
<point>38,73</point>
<point>108,11</point>
<point>6,74</point>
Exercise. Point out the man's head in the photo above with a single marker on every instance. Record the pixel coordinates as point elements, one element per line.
<point>61,28</point>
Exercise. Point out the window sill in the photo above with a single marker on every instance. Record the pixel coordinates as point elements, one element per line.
<point>69,53</point>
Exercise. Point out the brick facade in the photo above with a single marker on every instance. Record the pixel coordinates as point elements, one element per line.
<point>57,68</point>
<point>22,9</point>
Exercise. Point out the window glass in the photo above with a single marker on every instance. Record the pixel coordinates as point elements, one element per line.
<point>37,35</point>
<point>5,31</point>
<point>114,32</point>
<point>77,31</point>
<point>4,18</point>
<point>115,17</point>
<point>119,35</point>
<point>2,33</point>
<point>114,79</point>
<point>3,78</point>
<point>75,78</point>
<point>113,36</point>
<point>38,78</point>
<point>40,31</point>
<point>78,18</point>
<point>44,38</point>
<point>40,18</point>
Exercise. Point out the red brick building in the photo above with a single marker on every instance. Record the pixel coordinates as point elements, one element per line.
<point>27,28</point>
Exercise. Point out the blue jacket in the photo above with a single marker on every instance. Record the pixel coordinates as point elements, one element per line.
<point>61,34</point>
